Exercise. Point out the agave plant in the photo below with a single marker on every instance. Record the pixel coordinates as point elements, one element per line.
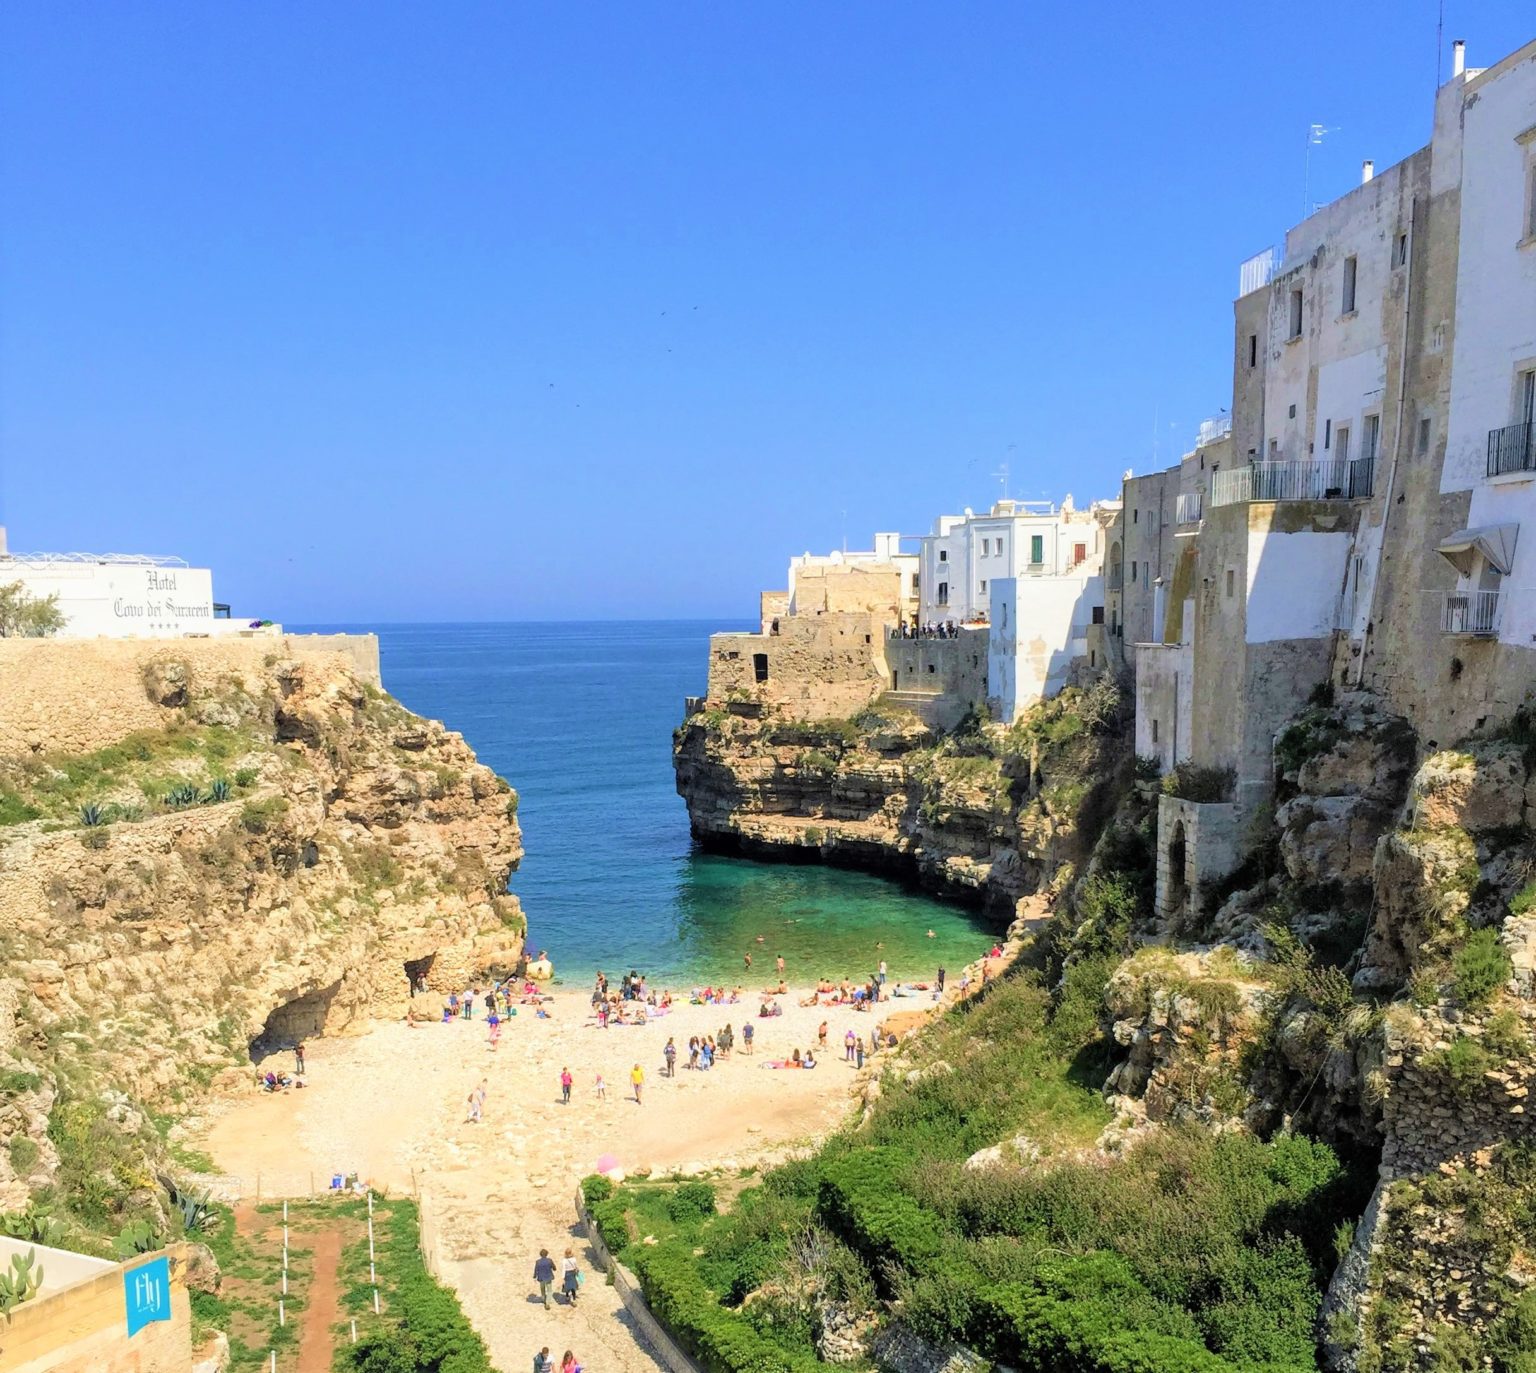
<point>218,790</point>
<point>181,796</point>
<point>137,1237</point>
<point>197,1213</point>
<point>21,1283</point>
<point>93,814</point>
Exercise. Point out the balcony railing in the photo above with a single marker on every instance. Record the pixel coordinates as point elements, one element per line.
<point>1116,579</point>
<point>1471,612</point>
<point>1512,449</point>
<point>1187,508</point>
<point>1302,479</point>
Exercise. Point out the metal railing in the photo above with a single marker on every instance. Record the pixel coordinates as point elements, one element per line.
<point>1115,580</point>
<point>1512,449</point>
<point>1300,479</point>
<point>1213,429</point>
<point>1187,507</point>
<point>1470,612</point>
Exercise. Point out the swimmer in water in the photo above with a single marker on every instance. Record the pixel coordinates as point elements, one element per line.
<point>932,935</point>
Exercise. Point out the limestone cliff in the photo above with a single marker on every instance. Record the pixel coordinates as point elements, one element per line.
<point>258,852</point>
<point>982,813</point>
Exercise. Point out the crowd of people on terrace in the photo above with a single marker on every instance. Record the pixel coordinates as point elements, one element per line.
<point>941,629</point>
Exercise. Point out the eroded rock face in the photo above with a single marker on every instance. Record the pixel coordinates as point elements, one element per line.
<point>988,821</point>
<point>161,952</point>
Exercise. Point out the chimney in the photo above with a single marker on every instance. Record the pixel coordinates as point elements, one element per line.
<point>1367,171</point>
<point>1458,57</point>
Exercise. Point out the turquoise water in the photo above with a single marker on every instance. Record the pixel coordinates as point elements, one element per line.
<point>579,718</point>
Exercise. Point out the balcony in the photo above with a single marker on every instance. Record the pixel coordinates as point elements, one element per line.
<point>1512,449</point>
<point>1303,479</point>
<point>1471,612</point>
<point>1187,508</point>
<point>1116,579</point>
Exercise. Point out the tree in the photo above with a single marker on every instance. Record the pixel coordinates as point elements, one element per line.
<point>24,616</point>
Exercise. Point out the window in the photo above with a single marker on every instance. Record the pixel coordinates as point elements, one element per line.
<point>1530,200</point>
<point>1037,549</point>
<point>1291,413</point>
<point>1135,517</point>
<point>943,597</point>
<point>1525,398</point>
<point>983,586</point>
<point>1341,444</point>
<point>943,555</point>
<point>1296,313</point>
<point>1133,569</point>
<point>915,583</point>
<point>760,666</point>
<point>1372,434</point>
<point>1079,553</point>
<point>1098,614</point>
<point>1154,731</point>
<point>1348,303</point>
<point>1400,251</point>
<point>1253,350</point>
<point>986,547</point>
<point>1425,430</point>
<point>1231,582</point>
<point>1327,434</point>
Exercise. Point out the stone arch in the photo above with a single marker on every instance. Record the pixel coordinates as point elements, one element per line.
<point>1178,868</point>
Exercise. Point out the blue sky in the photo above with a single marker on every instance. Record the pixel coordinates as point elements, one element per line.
<point>502,311</point>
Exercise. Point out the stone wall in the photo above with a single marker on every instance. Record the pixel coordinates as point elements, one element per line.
<point>83,1328</point>
<point>76,695</point>
<point>955,667</point>
<point>1208,833</point>
<point>845,590</point>
<point>818,666</point>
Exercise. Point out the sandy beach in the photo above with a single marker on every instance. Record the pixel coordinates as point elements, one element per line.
<point>391,1105</point>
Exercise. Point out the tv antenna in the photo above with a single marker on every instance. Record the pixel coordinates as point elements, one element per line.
<point>1002,477</point>
<point>1315,135</point>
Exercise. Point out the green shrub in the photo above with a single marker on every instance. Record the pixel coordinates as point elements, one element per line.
<point>1480,967</point>
<point>24,1154</point>
<point>1505,1035</point>
<point>1463,1063</point>
<point>1201,784</point>
<point>692,1201</point>
<point>596,1188</point>
<point>246,777</point>
<point>721,1340</point>
<point>862,1201</point>
<point>265,815</point>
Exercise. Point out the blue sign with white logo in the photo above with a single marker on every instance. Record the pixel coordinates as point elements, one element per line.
<point>148,1290</point>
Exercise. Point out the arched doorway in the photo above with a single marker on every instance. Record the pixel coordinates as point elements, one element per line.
<point>1178,859</point>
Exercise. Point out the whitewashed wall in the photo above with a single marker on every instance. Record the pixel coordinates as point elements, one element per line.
<point>1295,582</point>
<point>119,600</point>
<point>1039,627</point>
<point>1495,333</point>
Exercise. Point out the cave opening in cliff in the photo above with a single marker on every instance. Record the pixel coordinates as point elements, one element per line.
<point>294,1021</point>
<point>416,972</point>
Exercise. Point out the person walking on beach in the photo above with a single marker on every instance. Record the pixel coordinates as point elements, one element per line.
<point>670,1054</point>
<point>542,1363</point>
<point>544,1275</point>
<point>849,1040</point>
<point>941,981</point>
<point>693,1053</point>
<point>746,1038</point>
<point>882,972</point>
<point>493,1022</point>
<point>601,1088</point>
<point>821,1035</point>
<point>477,1102</point>
<point>637,1081</point>
<point>571,1278</point>
<point>779,962</point>
<point>568,1364</point>
<point>565,1086</point>
<point>298,1059</point>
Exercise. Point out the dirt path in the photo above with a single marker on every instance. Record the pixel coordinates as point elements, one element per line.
<point>322,1305</point>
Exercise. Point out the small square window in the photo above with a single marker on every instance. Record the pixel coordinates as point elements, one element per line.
<point>1350,272</point>
<point>1425,429</point>
<point>1400,251</point>
<point>1291,413</point>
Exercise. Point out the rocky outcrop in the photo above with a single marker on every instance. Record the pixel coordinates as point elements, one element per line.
<point>985,814</point>
<point>262,867</point>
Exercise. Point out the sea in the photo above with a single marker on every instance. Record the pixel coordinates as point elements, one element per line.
<point>578,717</point>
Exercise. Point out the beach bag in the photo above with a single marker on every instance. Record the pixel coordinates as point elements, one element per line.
<point>580,1278</point>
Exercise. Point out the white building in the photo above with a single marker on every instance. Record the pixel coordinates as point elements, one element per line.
<point>1039,628</point>
<point>123,595</point>
<point>886,552</point>
<point>1490,447</point>
<point>967,553</point>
